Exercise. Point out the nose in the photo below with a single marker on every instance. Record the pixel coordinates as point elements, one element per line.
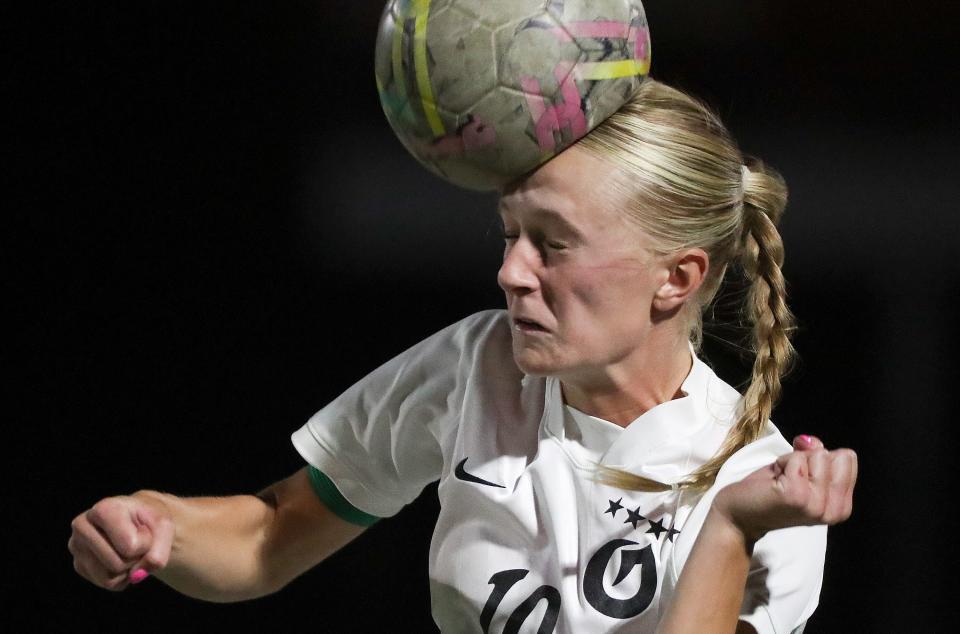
<point>518,272</point>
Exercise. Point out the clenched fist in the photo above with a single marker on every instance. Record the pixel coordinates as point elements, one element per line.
<point>120,540</point>
<point>807,486</point>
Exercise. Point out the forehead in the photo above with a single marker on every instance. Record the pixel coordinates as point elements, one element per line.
<point>574,188</point>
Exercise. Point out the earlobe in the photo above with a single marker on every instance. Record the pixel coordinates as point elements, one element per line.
<point>687,271</point>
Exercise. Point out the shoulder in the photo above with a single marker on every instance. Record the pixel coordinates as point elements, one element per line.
<point>486,327</point>
<point>485,349</point>
<point>477,335</point>
<point>490,326</point>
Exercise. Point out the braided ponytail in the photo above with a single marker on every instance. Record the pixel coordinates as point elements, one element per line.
<point>761,259</point>
<point>681,160</point>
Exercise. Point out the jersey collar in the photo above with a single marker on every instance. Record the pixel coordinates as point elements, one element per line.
<point>658,443</point>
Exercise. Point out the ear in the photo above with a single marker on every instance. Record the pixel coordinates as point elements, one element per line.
<point>686,272</point>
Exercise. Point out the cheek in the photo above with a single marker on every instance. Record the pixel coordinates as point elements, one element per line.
<point>606,307</point>
<point>608,291</point>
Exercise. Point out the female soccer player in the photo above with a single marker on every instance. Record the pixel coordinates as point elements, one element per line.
<point>595,474</point>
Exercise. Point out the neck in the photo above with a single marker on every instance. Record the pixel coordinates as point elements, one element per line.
<point>621,392</point>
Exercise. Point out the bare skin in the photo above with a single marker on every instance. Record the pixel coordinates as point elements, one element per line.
<point>216,549</point>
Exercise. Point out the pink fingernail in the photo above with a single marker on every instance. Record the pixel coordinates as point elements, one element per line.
<point>807,439</point>
<point>138,575</point>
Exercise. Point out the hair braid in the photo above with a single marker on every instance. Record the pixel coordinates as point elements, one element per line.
<point>761,259</point>
<point>680,160</point>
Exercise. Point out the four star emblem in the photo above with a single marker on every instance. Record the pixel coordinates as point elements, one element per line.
<point>634,518</point>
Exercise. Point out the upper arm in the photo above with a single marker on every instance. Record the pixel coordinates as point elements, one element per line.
<point>303,531</point>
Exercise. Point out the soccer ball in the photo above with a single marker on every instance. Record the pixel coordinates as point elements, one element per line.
<point>483,91</point>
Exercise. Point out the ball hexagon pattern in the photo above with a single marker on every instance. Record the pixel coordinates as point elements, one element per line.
<point>483,91</point>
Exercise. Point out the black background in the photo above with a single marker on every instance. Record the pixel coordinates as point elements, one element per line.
<point>215,233</point>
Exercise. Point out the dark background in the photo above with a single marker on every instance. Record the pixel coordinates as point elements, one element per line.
<point>215,233</point>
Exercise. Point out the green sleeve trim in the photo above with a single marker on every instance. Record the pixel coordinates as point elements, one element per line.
<point>328,493</point>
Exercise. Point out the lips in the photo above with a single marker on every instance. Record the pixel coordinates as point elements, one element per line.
<point>528,325</point>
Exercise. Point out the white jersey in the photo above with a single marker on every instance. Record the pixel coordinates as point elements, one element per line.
<point>526,540</point>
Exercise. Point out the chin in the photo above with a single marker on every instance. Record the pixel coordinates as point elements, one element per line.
<point>533,364</point>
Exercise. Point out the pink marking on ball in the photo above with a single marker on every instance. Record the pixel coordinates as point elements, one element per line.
<point>569,112</point>
<point>641,45</point>
<point>544,118</point>
<point>598,29</point>
<point>550,119</point>
<point>560,34</point>
<point>450,145</point>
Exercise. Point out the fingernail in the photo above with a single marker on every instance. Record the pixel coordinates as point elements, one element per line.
<point>138,575</point>
<point>807,440</point>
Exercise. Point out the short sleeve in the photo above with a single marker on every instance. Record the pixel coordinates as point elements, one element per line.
<point>786,570</point>
<point>380,441</point>
<point>783,586</point>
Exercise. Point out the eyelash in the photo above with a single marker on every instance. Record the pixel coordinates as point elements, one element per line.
<point>556,246</point>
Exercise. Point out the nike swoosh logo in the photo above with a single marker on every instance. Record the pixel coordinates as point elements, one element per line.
<point>462,474</point>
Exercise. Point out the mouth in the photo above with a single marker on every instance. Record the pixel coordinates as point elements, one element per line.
<point>527,325</point>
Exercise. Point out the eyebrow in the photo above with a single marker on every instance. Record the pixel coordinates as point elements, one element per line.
<point>551,217</point>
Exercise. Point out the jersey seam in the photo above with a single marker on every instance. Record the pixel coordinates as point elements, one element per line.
<point>328,493</point>
<point>347,469</point>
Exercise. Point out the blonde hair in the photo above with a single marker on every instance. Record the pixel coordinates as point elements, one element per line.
<point>689,185</point>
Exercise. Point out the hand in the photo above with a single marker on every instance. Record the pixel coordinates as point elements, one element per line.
<point>121,540</point>
<point>808,486</point>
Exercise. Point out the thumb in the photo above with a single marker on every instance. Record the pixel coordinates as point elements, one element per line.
<point>806,443</point>
<point>161,529</point>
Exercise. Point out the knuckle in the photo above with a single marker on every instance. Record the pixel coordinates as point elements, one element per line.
<point>100,507</point>
<point>841,454</point>
<point>94,516</point>
<point>837,487</point>
<point>848,456</point>
<point>816,507</point>
<point>115,568</point>
<point>126,545</point>
<point>105,507</point>
<point>840,514</point>
<point>798,456</point>
<point>83,569</point>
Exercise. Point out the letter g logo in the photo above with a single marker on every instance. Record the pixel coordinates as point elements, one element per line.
<point>593,588</point>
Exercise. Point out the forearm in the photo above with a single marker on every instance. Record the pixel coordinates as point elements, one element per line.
<point>218,546</point>
<point>710,589</point>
